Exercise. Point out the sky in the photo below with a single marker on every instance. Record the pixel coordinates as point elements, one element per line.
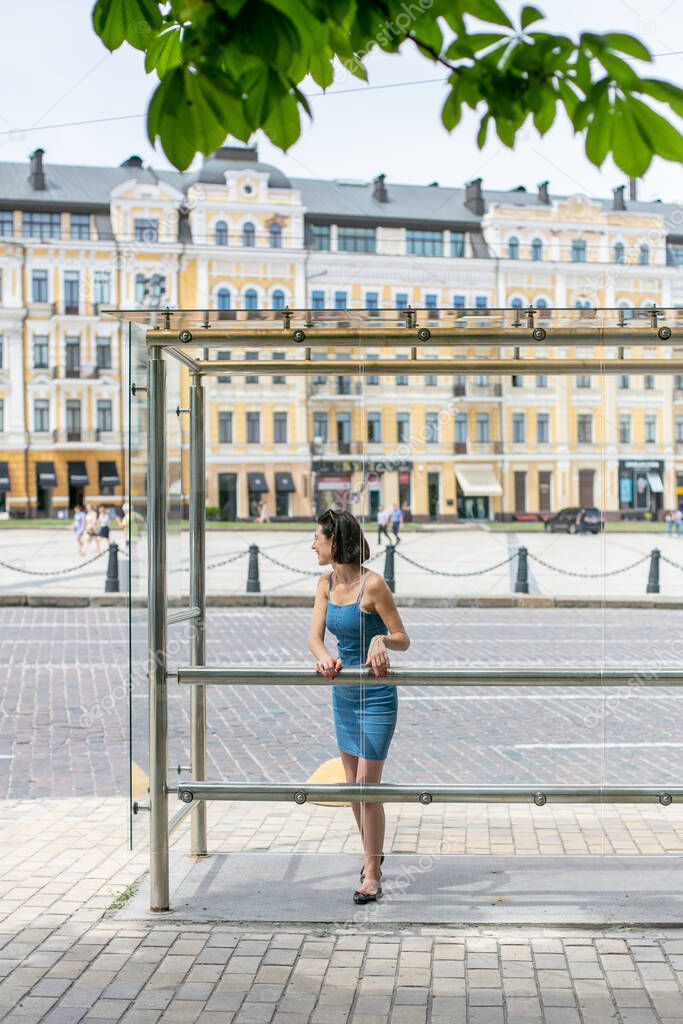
<point>58,75</point>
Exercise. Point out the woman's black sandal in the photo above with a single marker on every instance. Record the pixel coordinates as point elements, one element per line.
<point>362,870</point>
<point>367,897</point>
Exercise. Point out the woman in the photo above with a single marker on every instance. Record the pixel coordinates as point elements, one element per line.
<point>357,606</point>
<point>79,528</point>
<point>102,525</point>
<point>91,526</point>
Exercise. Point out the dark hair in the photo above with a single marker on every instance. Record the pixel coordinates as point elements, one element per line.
<point>349,546</point>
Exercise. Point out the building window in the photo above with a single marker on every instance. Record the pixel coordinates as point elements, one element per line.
<point>431,301</point>
<point>103,353</point>
<point>544,480</point>
<point>578,250</point>
<point>319,237</point>
<point>2,415</point>
<point>249,235</point>
<point>520,491</point>
<point>431,380</point>
<point>432,428</point>
<point>585,428</point>
<point>650,430</point>
<point>104,415</point>
<point>583,380</point>
<point>424,243</point>
<point>41,415</point>
<point>619,253</point>
<point>457,243</point>
<point>101,294</point>
<point>458,302</point>
<point>6,223</point>
<point>481,380</point>
<point>39,286</point>
<point>374,427</point>
<point>481,302</point>
<point>251,378</point>
<point>543,428</point>
<point>251,299</point>
<point>73,420</point>
<point>223,298</point>
<point>537,249</point>
<point>649,382</point>
<point>146,229</point>
<point>401,378</point>
<point>483,427</point>
<point>275,236</point>
<point>41,225</point>
<point>541,304</point>
<point>461,428</point>
<point>340,300</point>
<point>675,254</point>
<point>518,381</point>
<point>624,430</point>
<point>253,428</point>
<point>71,291</point>
<point>371,300</point>
<point>73,357</point>
<point>320,427</point>
<point>513,248</point>
<point>516,303</point>
<point>644,255</point>
<point>221,233</point>
<point>223,356</point>
<point>541,380</point>
<point>624,382</point>
<point>41,352</point>
<point>224,427</point>
<point>278,299</point>
<point>518,428</point>
<point>280,427</point>
<point>80,225</point>
<point>278,378</point>
<point>679,430</point>
<point>402,427</point>
<point>317,300</point>
<point>356,239</point>
<point>401,300</point>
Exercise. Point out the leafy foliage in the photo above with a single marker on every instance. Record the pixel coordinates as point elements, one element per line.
<point>230,67</point>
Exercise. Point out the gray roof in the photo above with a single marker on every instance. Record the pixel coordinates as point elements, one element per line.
<point>406,202</point>
<point>67,184</point>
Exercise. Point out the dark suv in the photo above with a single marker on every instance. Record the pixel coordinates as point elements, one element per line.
<point>564,521</point>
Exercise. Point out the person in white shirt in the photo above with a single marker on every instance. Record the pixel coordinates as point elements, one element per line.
<point>382,521</point>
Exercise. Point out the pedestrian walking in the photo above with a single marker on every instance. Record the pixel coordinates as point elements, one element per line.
<point>102,526</point>
<point>669,520</point>
<point>364,619</point>
<point>262,509</point>
<point>581,521</point>
<point>79,528</point>
<point>126,524</point>
<point>382,521</point>
<point>678,519</point>
<point>407,514</point>
<point>396,520</point>
<point>91,526</point>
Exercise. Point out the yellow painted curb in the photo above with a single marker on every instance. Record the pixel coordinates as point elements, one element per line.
<point>329,772</point>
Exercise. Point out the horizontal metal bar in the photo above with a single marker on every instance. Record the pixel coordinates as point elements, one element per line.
<point>425,794</point>
<point>433,365</point>
<point>181,615</point>
<point>182,357</point>
<point>305,676</point>
<point>179,815</point>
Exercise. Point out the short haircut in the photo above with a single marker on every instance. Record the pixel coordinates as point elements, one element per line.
<point>349,546</point>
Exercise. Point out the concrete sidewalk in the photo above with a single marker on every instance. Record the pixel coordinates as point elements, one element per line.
<point>68,954</point>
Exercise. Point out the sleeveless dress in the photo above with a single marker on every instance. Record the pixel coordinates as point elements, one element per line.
<point>364,714</point>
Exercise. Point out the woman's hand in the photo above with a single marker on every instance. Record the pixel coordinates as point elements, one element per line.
<point>328,666</point>
<point>378,658</point>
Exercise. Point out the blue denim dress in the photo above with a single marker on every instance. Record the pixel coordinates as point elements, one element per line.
<point>364,714</point>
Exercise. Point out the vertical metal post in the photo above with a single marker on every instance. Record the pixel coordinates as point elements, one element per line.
<point>522,581</point>
<point>653,574</point>
<point>198,600</point>
<point>157,613</point>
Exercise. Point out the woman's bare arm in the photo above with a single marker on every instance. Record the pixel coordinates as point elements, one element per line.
<point>383,600</point>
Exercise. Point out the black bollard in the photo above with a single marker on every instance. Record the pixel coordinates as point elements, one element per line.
<point>253,582</point>
<point>522,581</point>
<point>653,575</point>
<point>389,572</point>
<point>111,583</point>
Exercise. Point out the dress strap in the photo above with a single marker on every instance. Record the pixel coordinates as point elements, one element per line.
<point>362,587</point>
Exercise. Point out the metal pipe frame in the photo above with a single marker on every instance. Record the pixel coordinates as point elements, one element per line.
<point>425,794</point>
<point>198,601</point>
<point>182,615</point>
<point>435,365</point>
<point>157,626</point>
<point>182,357</point>
<point>179,816</point>
<point>429,677</point>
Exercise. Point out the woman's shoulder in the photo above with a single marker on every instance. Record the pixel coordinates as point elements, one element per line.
<point>375,582</point>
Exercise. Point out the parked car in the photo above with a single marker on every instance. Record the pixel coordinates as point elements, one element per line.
<point>564,521</point>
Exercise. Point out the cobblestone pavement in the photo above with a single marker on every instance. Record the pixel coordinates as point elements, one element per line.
<point>65,958</point>
<point>64,700</point>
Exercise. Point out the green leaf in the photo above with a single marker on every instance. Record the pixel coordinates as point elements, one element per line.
<point>487,10</point>
<point>283,126</point>
<point>468,45</point>
<point>321,70</point>
<point>483,129</point>
<point>545,115</point>
<point>618,70</point>
<point>599,134</point>
<point>530,15</point>
<point>164,52</point>
<point>664,91</point>
<point>312,32</point>
<point>663,138</point>
<point>630,150</point>
<point>506,132</point>
<point>451,112</point>
<point>132,21</point>
<point>627,44</point>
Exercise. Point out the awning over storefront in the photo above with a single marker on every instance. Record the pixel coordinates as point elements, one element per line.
<point>257,483</point>
<point>478,481</point>
<point>45,471</point>
<point>109,474</point>
<point>78,474</point>
<point>655,482</point>
<point>284,482</point>
<point>4,476</point>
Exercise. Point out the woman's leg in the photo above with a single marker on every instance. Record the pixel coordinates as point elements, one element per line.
<point>372,824</point>
<point>350,762</point>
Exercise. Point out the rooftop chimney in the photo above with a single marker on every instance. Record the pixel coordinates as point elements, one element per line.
<point>543,194</point>
<point>474,199</point>
<point>619,202</point>
<point>132,161</point>
<point>37,174</point>
<point>632,189</point>
<point>379,189</point>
